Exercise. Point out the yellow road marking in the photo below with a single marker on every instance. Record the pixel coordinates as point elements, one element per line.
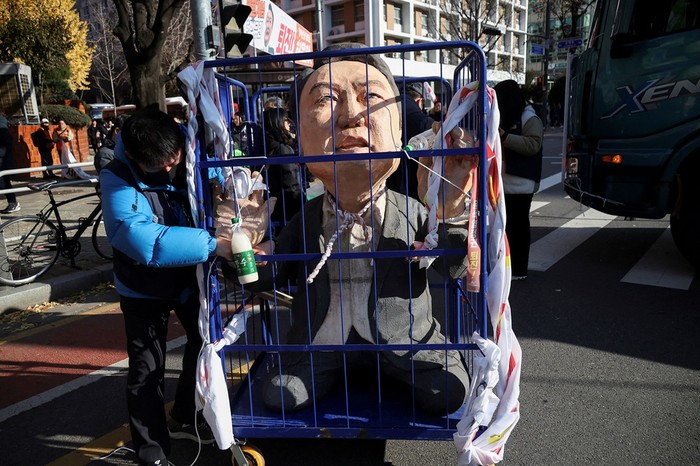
<point>97,448</point>
<point>117,438</point>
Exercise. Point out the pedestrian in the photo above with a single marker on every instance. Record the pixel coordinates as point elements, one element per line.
<point>239,139</point>
<point>7,162</point>
<point>94,135</point>
<point>63,137</point>
<point>404,180</point>
<point>273,102</point>
<point>359,301</point>
<point>45,145</point>
<point>106,152</point>
<point>156,249</point>
<point>284,180</point>
<point>522,133</point>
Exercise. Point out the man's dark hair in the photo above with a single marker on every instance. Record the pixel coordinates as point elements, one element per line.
<point>511,102</point>
<point>152,137</point>
<point>118,124</point>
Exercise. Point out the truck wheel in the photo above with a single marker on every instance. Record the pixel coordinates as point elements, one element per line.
<point>685,221</point>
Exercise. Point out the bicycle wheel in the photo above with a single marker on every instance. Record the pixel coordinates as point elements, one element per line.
<point>99,239</point>
<point>31,248</point>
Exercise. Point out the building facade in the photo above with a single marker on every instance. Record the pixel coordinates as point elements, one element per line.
<point>560,31</point>
<point>379,23</point>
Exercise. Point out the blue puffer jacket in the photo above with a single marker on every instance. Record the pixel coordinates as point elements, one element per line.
<point>152,259</point>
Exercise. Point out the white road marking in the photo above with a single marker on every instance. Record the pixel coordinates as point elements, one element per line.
<point>662,266</point>
<point>537,205</point>
<point>550,181</point>
<point>551,248</point>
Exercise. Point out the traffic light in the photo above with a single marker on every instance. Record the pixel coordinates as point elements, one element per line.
<point>540,83</point>
<point>233,16</point>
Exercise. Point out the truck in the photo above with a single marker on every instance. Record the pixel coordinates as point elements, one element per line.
<point>633,121</point>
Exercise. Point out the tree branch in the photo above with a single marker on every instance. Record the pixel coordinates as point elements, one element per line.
<point>123,28</point>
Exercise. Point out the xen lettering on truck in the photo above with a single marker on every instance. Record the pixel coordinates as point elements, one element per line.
<point>650,93</point>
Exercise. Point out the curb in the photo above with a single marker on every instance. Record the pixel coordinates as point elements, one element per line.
<point>22,297</point>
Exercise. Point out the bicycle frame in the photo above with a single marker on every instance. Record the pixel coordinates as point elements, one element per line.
<point>65,241</point>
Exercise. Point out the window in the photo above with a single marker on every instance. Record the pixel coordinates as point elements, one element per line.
<point>337,15</point>
<point>424,23</point>
<point>398,20</point>
<point>359,11</point>
<point>652,19</point>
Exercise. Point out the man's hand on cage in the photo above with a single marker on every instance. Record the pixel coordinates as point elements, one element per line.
<point>457,172</point>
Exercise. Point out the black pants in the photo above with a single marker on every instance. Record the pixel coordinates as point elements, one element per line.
<point>146,323</point>
<point>47,161</point>
<point>518,231</point>
<point>5,183</point>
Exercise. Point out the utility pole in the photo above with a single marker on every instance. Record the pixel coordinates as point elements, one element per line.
<point>319,25</point>
<point>201,24</point>
<point>545,62</point>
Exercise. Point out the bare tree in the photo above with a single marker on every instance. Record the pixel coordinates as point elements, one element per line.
<point>178,50</point>
<point>476,20</point>
<point>143,28</point>
<point>567,14</point>
<point>109,70</point>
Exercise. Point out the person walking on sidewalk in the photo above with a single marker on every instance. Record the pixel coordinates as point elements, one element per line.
<point>63,135</point>
<point>156,250</point>
<point>45,146</point>
<point>106,152</point>
<point>522,133</point>
<point>7,162</point>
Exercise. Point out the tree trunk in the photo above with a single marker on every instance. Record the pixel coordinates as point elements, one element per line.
<point>146,83</point>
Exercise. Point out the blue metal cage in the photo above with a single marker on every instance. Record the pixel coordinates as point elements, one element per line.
<point>365,403</point>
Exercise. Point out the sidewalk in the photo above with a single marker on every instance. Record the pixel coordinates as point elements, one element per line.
<point>62,279</point>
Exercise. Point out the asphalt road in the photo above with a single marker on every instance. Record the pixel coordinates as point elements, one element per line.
<point>608,324</point>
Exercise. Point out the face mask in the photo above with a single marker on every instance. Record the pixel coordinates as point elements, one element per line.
<point>157,178</point>
<point>162,177</point>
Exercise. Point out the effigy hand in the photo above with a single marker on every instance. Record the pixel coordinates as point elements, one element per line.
<point>456,170</point>
<point>253,212</point>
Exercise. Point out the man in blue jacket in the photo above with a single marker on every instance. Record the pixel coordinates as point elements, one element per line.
<point>156,250</point>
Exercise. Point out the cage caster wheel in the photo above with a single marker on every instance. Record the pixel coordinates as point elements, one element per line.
<point>249,454</point>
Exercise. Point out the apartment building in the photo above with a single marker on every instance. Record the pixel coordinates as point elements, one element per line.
<point>391,22</point>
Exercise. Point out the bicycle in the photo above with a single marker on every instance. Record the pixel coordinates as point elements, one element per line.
<point>33,243</point>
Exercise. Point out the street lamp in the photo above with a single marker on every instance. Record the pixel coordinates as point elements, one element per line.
<point>491,31</point>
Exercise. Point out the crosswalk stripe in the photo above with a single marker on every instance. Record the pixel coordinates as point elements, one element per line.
<point>662,265</point>
<point>537,205</point>
<point>551,248</point>
<point>550,181</point>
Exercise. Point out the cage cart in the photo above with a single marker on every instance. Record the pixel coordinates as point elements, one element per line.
<point>363,302</point>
